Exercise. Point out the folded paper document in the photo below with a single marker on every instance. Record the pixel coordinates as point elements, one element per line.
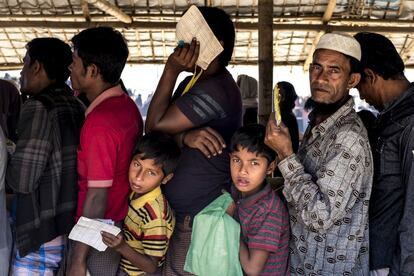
<point>192,24</point>
<point>88,231</point>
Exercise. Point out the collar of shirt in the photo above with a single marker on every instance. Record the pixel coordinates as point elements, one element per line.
<point>333,119</point>
<point>252,199</point>
<point>114,91</point>
<point>140,201</point>
<point>389,106</point>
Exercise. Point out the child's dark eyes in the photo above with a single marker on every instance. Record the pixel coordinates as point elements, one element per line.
<point>235,160</point>
<point>151,173</point>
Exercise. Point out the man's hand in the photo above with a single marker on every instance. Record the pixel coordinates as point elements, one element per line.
<point>278,138</point>
<point>205,139</point>
<point>184,58</point>
<point>115,242</point>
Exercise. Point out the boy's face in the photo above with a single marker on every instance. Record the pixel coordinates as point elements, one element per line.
<point>145,175</point>
<point>249,170</point>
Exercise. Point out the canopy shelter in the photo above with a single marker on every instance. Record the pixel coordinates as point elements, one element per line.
<point>149,25</point>
<point>288,29</point>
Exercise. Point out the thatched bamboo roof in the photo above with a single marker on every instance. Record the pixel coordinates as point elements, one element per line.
<point>149,25</point>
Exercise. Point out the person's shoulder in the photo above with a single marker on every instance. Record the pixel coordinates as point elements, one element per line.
<point>156,208</point>
<point>269,203</point>
<point>351,133</point>
<point>219,82</point>
<point>33,104</point>
<point>276,203</point>
<point>123,105</point>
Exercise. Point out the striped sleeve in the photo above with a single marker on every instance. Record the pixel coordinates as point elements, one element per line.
<point>155,237</point>
<point>201,106</point>
<point>268,230</point>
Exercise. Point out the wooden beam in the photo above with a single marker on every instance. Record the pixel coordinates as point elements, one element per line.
<point>329,11</point>
<point>312,49</point>
<point>305,19</point>
<point>161,61</point>
<point>282,19</point>
<point>325,20</point>
<point>111,9</point>
<point>85,10</point>
<point>400,8</point>
<point>241,26</point>
<point>265,87</point>
<point>407,50</point>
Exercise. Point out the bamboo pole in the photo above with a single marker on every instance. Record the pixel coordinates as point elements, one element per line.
<point>265,87</point>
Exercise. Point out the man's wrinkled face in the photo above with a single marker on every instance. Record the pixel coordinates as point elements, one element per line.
<point>330,76</point>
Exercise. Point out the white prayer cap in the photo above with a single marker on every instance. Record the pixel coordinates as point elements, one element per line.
<point>342,43</point>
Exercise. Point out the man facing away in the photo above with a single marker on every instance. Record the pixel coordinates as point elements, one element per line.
<point>391,210</point>
<point>112,126</point>
<point>10,104</point>
<point>328,182</point>
<point>42,170</point>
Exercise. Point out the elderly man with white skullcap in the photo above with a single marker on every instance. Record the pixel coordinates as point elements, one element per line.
<point>328,182</point>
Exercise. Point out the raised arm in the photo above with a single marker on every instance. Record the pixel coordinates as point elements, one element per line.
<point>344,175</point>
<point>162,115</point>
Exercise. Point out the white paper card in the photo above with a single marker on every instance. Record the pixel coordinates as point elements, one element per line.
<point>88,231</point>
<point>192,24</point>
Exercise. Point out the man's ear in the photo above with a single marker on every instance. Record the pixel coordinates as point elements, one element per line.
<point>93,70</point>
<point>36,67</point>
<point>271,167</point>
<point>354,80</point>
<point>370,76</point>
<point>167,178</point>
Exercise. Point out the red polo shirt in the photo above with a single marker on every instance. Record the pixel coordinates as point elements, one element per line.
<point>108,136</point>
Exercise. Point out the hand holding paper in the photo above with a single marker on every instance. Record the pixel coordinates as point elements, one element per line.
<point>88,231</point>
<point>192,24</point>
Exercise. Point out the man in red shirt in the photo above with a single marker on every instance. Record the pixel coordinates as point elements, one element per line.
<point>112,126</point>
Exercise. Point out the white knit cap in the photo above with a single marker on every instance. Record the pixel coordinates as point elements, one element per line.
<point>342,43</point>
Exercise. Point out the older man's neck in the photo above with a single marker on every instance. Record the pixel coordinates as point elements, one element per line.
<point>322,111</point>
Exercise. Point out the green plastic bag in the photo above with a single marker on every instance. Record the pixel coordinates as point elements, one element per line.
<point>215,241</point>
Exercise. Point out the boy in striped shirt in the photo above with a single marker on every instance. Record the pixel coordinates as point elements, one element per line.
<point>263,217</point>
<point>149,223</point>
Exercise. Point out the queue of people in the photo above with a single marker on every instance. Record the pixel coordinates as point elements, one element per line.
<point>345,206</point>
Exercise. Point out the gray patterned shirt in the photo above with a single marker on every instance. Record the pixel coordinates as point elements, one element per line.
<point>328,186</point>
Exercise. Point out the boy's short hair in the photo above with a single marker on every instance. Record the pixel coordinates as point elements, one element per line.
<point>160,147</point>
<point>251,137</point>
<point>54,54</point>
<point>106,48</point>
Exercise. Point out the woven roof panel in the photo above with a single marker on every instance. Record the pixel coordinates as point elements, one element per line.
<point>151,36</point>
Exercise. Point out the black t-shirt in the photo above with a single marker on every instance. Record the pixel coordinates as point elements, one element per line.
<point>198,180</point>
